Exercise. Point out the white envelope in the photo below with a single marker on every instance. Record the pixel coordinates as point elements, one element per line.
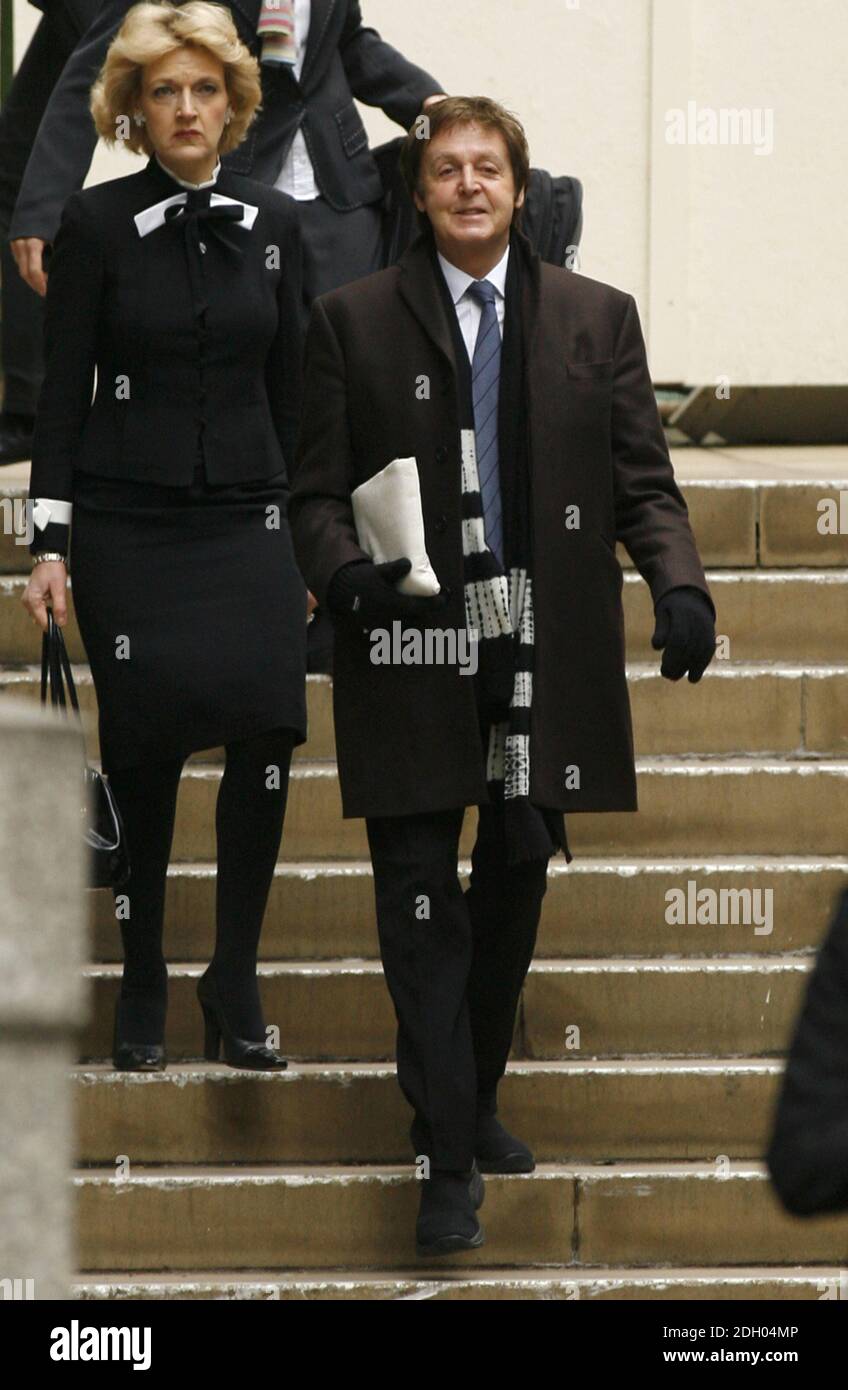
<point>390,523</point>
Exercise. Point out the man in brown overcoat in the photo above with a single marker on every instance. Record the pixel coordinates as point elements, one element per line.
<point>523,393</point>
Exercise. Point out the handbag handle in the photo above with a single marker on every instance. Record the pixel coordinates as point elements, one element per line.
<point>55,661</point>
<point>48,665</point>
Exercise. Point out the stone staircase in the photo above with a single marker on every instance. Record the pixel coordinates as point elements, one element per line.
<point>647,1052</point>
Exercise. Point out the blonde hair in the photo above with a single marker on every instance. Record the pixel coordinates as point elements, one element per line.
<point>149,31</point>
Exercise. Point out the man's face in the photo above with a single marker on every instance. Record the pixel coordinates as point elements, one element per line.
<point>468,188</point>
<point>184,99</point>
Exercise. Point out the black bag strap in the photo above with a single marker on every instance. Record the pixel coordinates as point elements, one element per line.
<point>55,662</point>
<point>45,648</point>
<point>66,667</point>
<point>49,668</point>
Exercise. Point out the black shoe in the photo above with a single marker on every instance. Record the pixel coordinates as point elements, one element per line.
<point>238,1052</point>
<point>498,1151</point>
<point>15,438</point>
<point>135,1056</point>
<point>446,1214</point>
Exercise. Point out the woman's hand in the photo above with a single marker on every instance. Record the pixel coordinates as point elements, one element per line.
<point>311,602</point>
<point>49,579</point>
<point>28,251</point>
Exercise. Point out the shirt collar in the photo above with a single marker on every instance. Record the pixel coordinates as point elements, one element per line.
<point>459,280</point>
<point>184,183</point>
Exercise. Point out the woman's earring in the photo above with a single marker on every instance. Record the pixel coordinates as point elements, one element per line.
<point>228,117</point>
<point>139,118</point>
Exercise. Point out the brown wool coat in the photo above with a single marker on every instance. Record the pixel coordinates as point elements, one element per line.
<point>407,736</point>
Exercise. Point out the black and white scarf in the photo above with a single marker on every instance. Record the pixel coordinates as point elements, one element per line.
<point>499,600</point>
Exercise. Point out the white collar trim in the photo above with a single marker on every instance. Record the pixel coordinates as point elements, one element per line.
<point>184,183</point>
<point>153,217</point>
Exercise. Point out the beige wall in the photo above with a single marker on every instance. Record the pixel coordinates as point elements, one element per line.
<point>736,259</point>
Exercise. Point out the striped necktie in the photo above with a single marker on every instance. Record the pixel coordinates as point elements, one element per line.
<point>275,27</point>
<point>485,391</point>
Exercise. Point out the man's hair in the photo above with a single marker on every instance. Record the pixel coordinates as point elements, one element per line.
<point>453,111</point>
<point>148,32</point>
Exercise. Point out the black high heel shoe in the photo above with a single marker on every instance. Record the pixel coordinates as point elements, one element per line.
<point>238,1052</point>
<point>135,1056</point>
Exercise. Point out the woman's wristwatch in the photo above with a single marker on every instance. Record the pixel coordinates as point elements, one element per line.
<point>48,555</point>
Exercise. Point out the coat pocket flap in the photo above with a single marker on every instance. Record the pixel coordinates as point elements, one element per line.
<point>591,371</point>
<point>353,133</point>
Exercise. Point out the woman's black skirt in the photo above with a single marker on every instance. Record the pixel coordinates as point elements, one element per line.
<point>192,612</point>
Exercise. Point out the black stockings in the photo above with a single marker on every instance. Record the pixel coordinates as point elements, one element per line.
<point>249,822</point>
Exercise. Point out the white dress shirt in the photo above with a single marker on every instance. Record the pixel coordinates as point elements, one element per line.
<point>297,176</point>
<point>468,311</point>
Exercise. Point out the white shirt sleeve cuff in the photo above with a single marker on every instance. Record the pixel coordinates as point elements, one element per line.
<point>46,509</point>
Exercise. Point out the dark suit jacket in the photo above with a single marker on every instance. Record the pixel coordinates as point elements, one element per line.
<point>407,736</point>
<point>344,59</point>
<point>81,13</point>
<point>122,302</point>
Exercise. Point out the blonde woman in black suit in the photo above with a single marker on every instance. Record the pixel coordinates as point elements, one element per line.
<point>181,284</point>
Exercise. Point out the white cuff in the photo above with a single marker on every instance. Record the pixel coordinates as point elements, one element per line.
<point>47,509</point>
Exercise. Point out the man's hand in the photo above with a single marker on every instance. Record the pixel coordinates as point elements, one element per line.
<point>686,628</point>
<point>437,96</point>
<point>367,593</point>
<point>311,602</point>
<point>27,252</point>
<point>49,580</point>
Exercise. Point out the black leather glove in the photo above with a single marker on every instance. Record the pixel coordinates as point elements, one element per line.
<point>685,627</point>
<point>367,593</point>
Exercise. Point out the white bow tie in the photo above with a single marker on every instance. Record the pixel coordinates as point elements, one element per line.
<point>153,217</point>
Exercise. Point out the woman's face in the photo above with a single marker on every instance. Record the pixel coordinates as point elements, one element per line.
<point>184,100</point>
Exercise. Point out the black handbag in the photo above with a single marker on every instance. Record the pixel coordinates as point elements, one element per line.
<point>108,856</point>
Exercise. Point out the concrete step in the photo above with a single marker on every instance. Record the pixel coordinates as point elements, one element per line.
<point>746,708</point>
<point>355,1113</point>
<point>736,522</point>
<point>294,1218</point>
<point>724,518</point>
<point>742,1006</point>
<point>767,1283</point>
<point>764,615</point>
<point>697,806</point>
<point>322,910</point>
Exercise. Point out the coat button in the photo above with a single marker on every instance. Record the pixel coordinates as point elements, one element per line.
<point>203,247</point>
<point>441,453</point>
<point>440,523</point>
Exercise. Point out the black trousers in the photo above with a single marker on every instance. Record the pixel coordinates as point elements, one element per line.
<point>337,246</point>
<point>21,309</point>
<point>454,963</point>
